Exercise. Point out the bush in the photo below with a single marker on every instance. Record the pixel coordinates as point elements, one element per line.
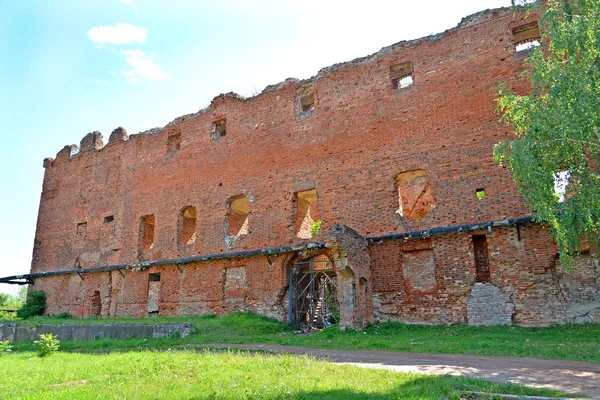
<point>8,316</point>
<point>5,346</point>
<point>48,343</point>
<point>35,305</point>
<point>64,315</point>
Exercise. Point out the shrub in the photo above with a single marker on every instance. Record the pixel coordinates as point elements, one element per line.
<point>5,346</point>
<point>7,315</point>
<point>315,227</point>
<point>48,343</point>
<point>35,305</point>
<point>64,315</point>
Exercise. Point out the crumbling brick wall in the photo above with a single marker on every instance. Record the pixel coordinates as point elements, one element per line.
<point>400,140</point>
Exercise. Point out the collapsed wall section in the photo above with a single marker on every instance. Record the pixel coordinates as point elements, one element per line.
<point>524,285</point>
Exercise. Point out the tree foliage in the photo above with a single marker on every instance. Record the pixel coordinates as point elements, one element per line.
<point>4,298</point>
<point>557,126</point>
<point>13,302</point>
<point>35,305</point>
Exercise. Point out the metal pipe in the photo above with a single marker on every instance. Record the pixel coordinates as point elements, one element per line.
<point>184,260</point>
<point>444,230</point>
<point>425,233</point>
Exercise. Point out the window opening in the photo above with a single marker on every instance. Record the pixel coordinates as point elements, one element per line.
<point>307,103</point>
<point>415,196</point>
<point>147,236</point>
<point>219,128</point>
<point>237,216</point>
<point>174,143</point>
<point>81,233</point>
<point>154,277</point>
<point>108,219</point>
<point>482,265</point>
<point>480,193</point>
<point>187,226</point>
<point>401,75</point>
<point>307,213</point>
<point>526,36</point>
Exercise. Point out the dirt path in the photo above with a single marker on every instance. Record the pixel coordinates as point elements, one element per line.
<point>567,376</point>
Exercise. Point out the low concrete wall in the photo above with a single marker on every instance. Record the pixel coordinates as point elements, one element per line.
<point>27,333</point>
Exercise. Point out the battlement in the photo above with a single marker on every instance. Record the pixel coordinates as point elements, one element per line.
<point>93,141</point>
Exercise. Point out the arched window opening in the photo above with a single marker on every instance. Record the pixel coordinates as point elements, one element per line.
<point>237,216</point>
<point>187,226</point>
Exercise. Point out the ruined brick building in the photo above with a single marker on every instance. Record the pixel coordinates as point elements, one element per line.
<point>365,193</point>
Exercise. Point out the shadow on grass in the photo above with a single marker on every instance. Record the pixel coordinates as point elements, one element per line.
<point>426,387</point>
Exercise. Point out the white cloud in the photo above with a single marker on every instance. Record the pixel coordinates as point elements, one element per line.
<point>118,34</point>
<point>143,67</point>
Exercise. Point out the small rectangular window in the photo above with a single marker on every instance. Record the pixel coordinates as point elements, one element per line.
<point>147,232</point>
<point>81,233</point>
<point>108,219</point>
<point>154,277</point>
<point>480,193</point>
<point>307,103</point>
<point>401,75</point>
<point>219,128</point>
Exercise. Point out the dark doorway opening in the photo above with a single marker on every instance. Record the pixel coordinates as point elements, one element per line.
<point>482,264</point>
<point>313,294</point>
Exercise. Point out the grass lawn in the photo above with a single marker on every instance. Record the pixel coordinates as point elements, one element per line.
<point>573,342</point>
<point>205,375</point>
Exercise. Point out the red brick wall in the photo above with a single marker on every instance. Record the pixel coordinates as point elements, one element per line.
<point>518,267</point>
<point>361,134</point>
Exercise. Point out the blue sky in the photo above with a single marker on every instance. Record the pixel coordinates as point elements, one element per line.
<point>69,67</point>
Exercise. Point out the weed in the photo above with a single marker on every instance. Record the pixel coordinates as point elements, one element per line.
<point>315,227</point>
<point>5,346</point>
<point>48,344</point>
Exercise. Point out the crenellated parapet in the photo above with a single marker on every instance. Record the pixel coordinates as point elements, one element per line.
<point>118,135</point>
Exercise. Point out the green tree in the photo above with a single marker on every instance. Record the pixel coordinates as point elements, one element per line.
<point>21,296</point>
<point>35,305</point>
<point>557,126</point>
<point>4,298</point>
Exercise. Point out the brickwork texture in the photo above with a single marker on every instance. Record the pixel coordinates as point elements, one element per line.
<point>397,141</point>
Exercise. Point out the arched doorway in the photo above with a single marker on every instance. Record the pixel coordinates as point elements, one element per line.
<point>313,299</point>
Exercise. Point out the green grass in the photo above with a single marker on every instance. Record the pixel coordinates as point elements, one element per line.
<point>189,375</point>
<point>572,342</point>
